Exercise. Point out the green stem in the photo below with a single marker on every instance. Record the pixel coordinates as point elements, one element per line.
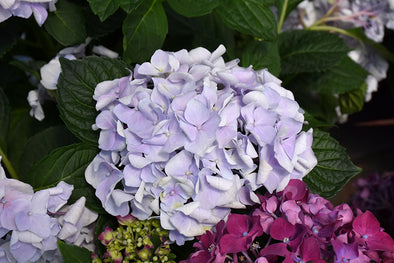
<point>332,29</point>
<point>8,165</point>
<point>282,15</point>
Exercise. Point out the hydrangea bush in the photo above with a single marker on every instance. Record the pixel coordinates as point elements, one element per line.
<point>131,131</point>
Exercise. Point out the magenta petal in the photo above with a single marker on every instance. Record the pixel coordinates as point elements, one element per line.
<point>232,244</point>
<point>366,224</point>
<point>278,249</point>
<point>281,229</point>
<point>380,241</point>
<point>310,250</point>
<point>238,224</point>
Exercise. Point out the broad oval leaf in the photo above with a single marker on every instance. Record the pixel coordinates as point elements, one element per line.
<point>334,167</point>
<point>193,8</point>
<point>262,54</point>
<point>66,24</point>
<point>144,31</point>
<point>66,164</point>
<point>75,91</point>
<point>309,51</point>
<point>74,254</point>
<point>250,17</point>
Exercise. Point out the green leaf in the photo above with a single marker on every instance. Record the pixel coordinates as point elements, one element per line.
<point>192,8</point>
<point>129,5</point>
<point>66,24</point>
<point>74,254</point>
<point>334,168</point>
<point>344,77</point>
<point>310,51</point>
<point>262,54</point>
<point>250,17</point>
<point>68,164</point>
<point>75,91</point>
<point>41,144</point>
<point>103,8</point>
<point>5,117</point>
<point>353,101</point>
<point>144,31</point>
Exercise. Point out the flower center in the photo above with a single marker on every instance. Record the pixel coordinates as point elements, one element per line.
<point>345,260</point>
<point>244,234</point>
<point>365,236</point>
<point>172,192</point>
<point>3,200</point>
<point>286,240</point>
<point>211,247</point>
<point>315,230</point>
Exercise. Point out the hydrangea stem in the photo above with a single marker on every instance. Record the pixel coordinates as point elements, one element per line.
<point>332,29</point>
<point>282,15</point>
<point>8,165</point>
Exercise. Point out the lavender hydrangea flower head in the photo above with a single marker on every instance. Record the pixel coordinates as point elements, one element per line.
<point>25,8</point>
<point>32,222</point>
<point>188,136</point>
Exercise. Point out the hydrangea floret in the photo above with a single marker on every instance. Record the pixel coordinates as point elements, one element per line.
<point>32,222</point>
<point>135,241</point>
<point>297,226</point>
<point>188,137</point>
<point>26,8</point>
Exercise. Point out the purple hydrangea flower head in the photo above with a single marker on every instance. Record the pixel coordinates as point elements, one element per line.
<point>191,136</point>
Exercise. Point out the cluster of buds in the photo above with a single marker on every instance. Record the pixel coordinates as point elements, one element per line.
<point>135,241</point>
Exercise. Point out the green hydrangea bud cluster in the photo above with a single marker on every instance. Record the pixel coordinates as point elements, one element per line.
<point>135,241</point>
